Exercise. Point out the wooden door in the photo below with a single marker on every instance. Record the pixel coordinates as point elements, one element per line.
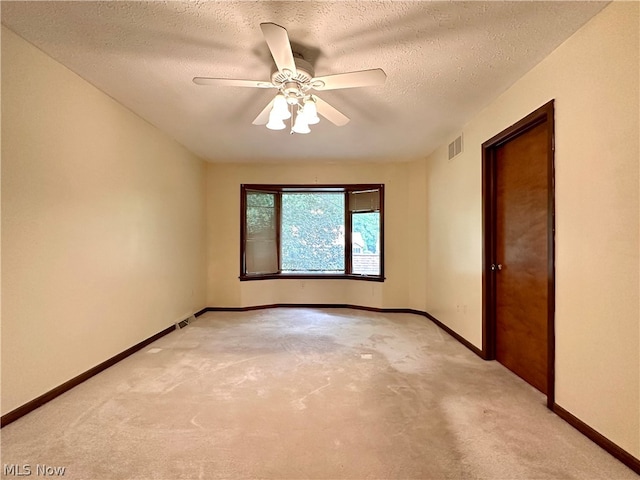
<point>519,258</point>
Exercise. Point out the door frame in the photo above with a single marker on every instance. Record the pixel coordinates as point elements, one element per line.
<point>489,171</point>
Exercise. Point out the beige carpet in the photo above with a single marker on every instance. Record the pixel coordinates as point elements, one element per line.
<point>305,393</point>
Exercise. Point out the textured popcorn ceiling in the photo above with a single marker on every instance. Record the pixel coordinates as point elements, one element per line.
<point>444,61</point>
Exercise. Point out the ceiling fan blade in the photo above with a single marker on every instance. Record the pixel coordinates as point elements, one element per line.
<point>278,41</point>
<point>231,82</point>
<point>363,78</point>
<point>263,116</point>
<point>330,113</point>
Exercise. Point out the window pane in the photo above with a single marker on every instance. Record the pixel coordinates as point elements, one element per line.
<point>365,243</point>
<point>261,222</point>
<point>261,199</point>
<point>261,252</point>
<point>312,232</point>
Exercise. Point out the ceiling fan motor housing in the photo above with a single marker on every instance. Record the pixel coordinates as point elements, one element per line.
<point>303,76</point>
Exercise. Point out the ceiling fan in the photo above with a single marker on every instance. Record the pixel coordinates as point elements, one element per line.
<point>294,79</point>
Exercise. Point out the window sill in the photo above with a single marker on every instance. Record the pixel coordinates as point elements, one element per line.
<point>311,276</point>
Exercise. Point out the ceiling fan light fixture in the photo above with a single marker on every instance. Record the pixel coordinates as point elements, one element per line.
<point>301,125</point>
<point>280,108</point>
<point>310,111</point>
<point>275,122</point>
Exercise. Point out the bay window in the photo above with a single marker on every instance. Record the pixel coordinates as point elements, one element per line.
<point>312,231</point>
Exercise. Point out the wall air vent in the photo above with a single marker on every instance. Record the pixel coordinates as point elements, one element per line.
<point>455,147</point>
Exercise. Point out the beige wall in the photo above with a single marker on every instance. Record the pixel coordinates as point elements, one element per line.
<point>102,226</point>
<point>593,78</point>
<point>405,236</point>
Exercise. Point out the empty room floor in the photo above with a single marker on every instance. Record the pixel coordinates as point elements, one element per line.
<point>301,393</point>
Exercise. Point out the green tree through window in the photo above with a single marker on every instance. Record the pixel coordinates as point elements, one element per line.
<point>312,232</point>
<point>368,225</point>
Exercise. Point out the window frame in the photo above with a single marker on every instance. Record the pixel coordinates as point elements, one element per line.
<point>279,189</point>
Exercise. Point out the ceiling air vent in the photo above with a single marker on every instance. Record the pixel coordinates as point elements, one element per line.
<point>455,147</point>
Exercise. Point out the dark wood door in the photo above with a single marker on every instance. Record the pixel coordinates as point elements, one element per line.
<point>521,265</point>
